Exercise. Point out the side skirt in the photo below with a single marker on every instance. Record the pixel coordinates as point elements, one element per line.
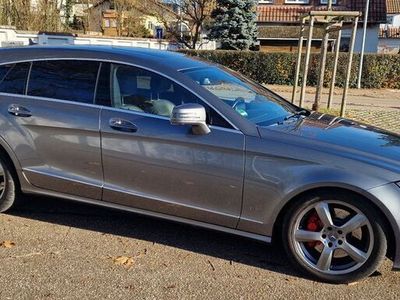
<point>254,236</point>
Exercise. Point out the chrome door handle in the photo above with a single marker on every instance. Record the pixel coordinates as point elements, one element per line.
<point>122,125</point>
<point>19,111</point>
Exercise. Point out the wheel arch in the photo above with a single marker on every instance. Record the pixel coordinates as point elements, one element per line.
<point>390,235</point>
<point>13,163</point>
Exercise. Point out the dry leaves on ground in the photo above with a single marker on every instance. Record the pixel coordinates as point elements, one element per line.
<point>126,261</point>
<point>7,244</point>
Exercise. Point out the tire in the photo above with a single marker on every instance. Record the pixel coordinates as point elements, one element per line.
<point>335,237</point>
<point>8,186</point>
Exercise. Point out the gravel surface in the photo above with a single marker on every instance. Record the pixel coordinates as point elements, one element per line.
<point>74,251</point>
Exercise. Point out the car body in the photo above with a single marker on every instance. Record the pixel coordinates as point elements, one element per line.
<point>240,177</point>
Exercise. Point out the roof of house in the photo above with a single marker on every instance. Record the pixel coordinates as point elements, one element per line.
<point>389,33</point>
<point>393,6</point>
<point>291,13</point>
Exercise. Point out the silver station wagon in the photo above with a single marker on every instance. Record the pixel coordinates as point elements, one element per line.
<point>165,135</point>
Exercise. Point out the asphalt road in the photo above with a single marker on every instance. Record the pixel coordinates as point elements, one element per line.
<point>58,249</point>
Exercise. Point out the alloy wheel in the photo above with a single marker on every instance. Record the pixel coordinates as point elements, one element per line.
<point>332,237</point>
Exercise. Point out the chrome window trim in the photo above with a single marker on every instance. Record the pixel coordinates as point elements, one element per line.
<point>102,107</point>
<point>101,60</point>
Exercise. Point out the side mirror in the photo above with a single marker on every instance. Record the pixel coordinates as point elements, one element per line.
<point>191,114</point>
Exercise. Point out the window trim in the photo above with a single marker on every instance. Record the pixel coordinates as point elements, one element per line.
<point>324,2</point>
<point>299,2</point>
<point>235,128</point>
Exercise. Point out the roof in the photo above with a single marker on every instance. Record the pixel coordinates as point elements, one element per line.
<point>267,13</point>
<point>155,58</point>
<point>389,33</point>
<point>393,6</point>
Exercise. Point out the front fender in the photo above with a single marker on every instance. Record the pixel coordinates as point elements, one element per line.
<point>275,173</point>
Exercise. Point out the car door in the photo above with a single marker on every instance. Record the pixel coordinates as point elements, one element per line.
<point>150,164</point>
<point>52,124</point>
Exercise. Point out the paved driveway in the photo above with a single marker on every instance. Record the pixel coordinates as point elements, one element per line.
<point>377,107</point>
<point>72,251</point>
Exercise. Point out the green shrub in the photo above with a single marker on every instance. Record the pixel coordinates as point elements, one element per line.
<point>380,70</point>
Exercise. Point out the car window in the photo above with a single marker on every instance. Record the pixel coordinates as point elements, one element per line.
<point>13,78</point>
<point>249,99</point>
<point>64,79</point>
<point>141,90</point>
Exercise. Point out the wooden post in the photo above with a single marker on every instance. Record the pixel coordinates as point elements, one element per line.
<point>337,51</point>
<point>348,74</point>
<point>307,62</point>
<point>322,65</point>
<point>298,62</point>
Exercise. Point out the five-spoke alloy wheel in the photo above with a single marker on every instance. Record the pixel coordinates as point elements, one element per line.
<point>335,237</point>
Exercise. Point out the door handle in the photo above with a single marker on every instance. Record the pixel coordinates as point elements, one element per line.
<point>19,111</point>
<point>122,125</point>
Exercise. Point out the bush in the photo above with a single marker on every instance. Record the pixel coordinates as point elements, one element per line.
<point>380,70</point>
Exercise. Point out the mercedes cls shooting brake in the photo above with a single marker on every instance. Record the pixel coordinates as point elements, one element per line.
<point>165,135</point>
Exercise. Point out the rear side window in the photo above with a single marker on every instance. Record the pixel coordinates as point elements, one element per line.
<point>65,79</point>
<point>13,78</point>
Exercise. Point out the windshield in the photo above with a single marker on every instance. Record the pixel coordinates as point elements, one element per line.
<point>248,99</point>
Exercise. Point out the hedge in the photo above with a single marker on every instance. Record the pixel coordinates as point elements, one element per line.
<point>380,70</point>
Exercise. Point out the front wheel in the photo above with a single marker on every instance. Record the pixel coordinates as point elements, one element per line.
<point>336,237</point>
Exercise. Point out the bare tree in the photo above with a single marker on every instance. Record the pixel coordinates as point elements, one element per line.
<point>21,14</point>
<point>180,14</point>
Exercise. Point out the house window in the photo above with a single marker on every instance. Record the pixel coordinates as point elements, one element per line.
<point>265,1</point>
<point>106,23</point>
<point>297,1</point>
<point>326,1</point>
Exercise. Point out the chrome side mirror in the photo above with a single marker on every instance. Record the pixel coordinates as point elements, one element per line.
<point>191,114</point>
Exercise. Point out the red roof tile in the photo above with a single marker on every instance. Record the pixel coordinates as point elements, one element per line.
<point>268,13</point>
<point>393,6</point>
<point>390,33</point>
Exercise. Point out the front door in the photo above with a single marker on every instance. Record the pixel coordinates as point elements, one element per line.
<point>150,164</point>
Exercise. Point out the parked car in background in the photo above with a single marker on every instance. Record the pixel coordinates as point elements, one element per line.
<point>161,134</point>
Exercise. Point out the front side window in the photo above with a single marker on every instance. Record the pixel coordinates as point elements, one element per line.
<point>250,100</point>
<point>144,91</point>
<point>64,79</point>
<point>13,78</point>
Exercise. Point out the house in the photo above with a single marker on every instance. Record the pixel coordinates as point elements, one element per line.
<point>278,23</point>
<point>110,20</point>
<point>389,35</point>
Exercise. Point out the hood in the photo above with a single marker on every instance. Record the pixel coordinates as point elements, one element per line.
<point>343,137</point>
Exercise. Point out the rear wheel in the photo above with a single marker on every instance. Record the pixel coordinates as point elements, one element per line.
<point>7,186</point>
<point>335,237</point>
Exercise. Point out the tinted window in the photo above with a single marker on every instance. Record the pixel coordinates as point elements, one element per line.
<point>144,91</point>
<point>66,80</point>
<point>13,78</point>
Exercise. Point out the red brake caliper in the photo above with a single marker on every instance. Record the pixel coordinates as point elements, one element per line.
<point>314,224</point>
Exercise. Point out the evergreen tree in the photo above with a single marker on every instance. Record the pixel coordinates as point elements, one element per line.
<point>68,11</point>
<point>234,24</point>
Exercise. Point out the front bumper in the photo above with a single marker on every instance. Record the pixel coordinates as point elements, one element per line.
<point>387,198</point>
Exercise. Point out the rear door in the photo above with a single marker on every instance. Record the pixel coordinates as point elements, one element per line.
<point>52,124</point>
<point>150,164</point>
